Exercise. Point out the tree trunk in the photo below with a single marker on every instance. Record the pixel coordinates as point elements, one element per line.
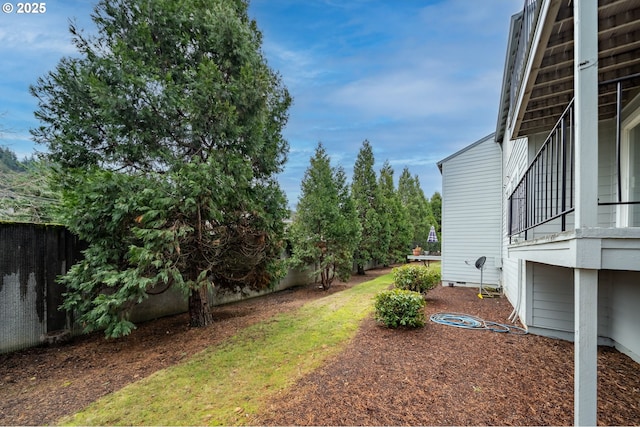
<point>199,310</point>
<point>326,281</point>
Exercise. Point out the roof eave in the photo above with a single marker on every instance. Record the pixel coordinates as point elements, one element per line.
<point>503,108</point>
<point>467,148</point>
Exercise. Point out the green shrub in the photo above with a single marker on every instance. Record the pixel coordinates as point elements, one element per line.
<point>398,307</point>
<point>416,278</point>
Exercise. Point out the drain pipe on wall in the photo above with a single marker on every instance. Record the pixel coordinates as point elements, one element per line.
<point>513,317</point>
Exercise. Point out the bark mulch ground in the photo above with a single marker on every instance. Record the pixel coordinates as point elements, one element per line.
<point>442,375</point>
<point>436,375</point>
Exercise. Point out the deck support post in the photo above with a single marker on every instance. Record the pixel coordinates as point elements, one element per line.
<point>586,347</point>
<point>586,207</point>
<point>586,112</point>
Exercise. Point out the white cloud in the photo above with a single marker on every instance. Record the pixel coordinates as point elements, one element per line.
<point>298,67</point>
<point>35,40</point>
<point>398,95</point>
<point>44,33</point>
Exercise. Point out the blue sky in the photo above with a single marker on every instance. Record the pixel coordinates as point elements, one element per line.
<point>418,79</point>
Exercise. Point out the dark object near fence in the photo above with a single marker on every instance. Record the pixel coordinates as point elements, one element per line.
<point>32,256</point>
<point>56,337</point>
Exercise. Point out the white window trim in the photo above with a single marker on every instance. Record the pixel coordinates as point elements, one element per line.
<point>622,216</point>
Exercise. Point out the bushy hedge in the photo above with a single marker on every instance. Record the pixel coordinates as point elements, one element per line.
<point>398,307</point>
<point>417,278</point>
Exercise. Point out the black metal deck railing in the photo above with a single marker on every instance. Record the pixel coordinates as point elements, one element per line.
<point>546,191</point>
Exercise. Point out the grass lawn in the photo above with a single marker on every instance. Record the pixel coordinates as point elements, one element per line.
<point>226,384</point>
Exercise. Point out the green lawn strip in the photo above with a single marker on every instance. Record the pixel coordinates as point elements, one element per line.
<point>227,384</point>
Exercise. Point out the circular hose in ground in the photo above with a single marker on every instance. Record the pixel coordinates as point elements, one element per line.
<point>467,321</point>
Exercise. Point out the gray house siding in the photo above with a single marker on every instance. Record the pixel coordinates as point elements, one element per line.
<point>471,207</point>
<point>514,158</point>
<point>624,328</point>
<point>550,295</point>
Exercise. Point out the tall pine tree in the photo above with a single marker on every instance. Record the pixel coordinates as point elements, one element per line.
<point>166,127</point>
<point>325,230</point>
<point>412,197</point>
<point>400,229</point>
<point>371,211</point>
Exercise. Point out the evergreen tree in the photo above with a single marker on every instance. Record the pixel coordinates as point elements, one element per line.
<point>167,131</point>
<point>414,200</point>
<point>436,209</point>
<point>9,161</point>
<point>374,245</point>
<point>400,229</point>
<point>325,230</point>
<point>435,203</point>
<point>26,194</point>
